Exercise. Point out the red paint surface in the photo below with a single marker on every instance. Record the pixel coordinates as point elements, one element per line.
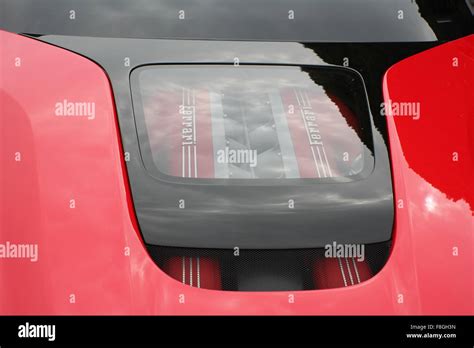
<point>81,250</point>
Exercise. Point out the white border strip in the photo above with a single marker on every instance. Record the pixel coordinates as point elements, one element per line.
<point>287,150</point>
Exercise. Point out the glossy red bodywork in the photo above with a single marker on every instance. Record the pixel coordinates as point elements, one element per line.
<point>95,253</point>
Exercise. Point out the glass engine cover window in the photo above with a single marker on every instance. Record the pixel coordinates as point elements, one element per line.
<point>257,156</point>
<point>253,122</point>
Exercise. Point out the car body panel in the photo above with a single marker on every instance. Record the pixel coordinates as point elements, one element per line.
<point>95,253</point>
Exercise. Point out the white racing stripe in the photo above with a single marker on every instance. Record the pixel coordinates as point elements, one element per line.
<point>309,140</point>
<point>297,97</point>
<point>322,163</point>
<point>306,128</point>
<point>189,161</point>
<point>305,103</point>
<point>342,271</point>
<point>301,104</point>
<point>198,273</point>
<point>182,147</point>
<point>184,162</point>
<point>194,131</point>
<point>188,156</point>
<point>315,161</point>
<point>356,271</point>
<point>349,270</point>
<point>283,133</point>
<point>327,162</point>
<point>195,162</point>
<point>305,98</point>
<point>191,271</point>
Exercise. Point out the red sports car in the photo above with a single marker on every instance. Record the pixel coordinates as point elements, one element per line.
<point>236,157</point>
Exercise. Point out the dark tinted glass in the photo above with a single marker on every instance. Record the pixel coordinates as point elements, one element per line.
<point>283,20</point>
<point>252,122</point>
